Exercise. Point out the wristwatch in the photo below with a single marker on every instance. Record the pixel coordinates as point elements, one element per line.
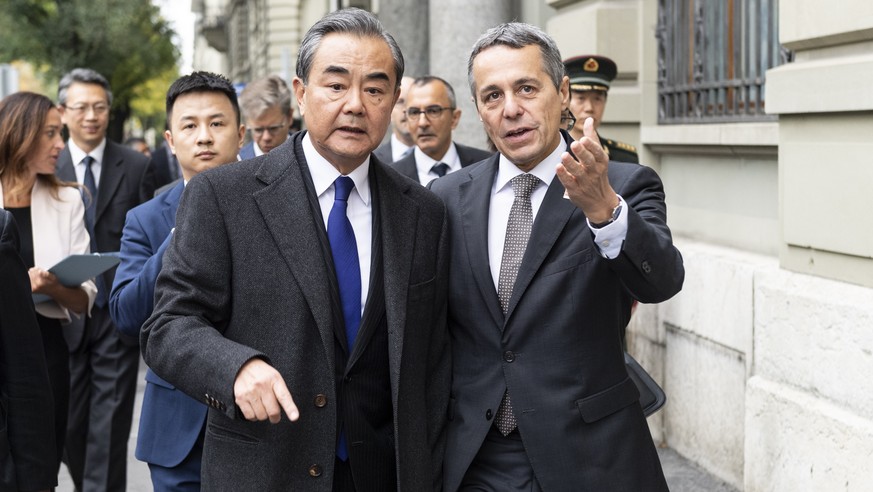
<point>615,213</point>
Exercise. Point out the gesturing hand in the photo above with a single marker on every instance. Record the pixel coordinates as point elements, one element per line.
<point>261,393</point>
<point>585,176</point>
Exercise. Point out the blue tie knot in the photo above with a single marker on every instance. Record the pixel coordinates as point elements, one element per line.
<point>343,188</point>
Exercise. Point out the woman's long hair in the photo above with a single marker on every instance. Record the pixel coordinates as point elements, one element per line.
<point>22,118</point>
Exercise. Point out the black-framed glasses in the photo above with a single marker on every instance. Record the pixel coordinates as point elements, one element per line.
<point>272,130</point>
<point>568,121</point>
<point>430,112</point>
<point>98,108</point>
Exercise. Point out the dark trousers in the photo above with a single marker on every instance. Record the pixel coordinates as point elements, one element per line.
<point>57,362</point>
<point>103,388</point>
<point>501,465</point>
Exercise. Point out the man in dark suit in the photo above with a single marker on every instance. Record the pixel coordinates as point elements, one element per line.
<point>311,281</point>
<point>27,454</point>
<point>400,142</point>
<point>165,166</point>
<point>431,116</point>
<point>205,132</point>
<point>590,77</point>
<point>103,365</point>
<point>266,106</point>
<point>550,244</point>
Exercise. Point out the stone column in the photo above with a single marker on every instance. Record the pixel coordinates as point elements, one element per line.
<point>406,20</point>
<point>454,26</point>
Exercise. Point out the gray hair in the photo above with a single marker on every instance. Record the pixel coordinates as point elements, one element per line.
<point>263,94</point>
<point>518,35</point>
<point>429,79</point>
<point>82,76</point>
<point>346,21</point>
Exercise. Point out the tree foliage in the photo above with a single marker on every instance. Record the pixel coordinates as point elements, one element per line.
<point>125,40</point>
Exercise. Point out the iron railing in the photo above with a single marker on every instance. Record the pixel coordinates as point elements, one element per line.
<point>712,59</point>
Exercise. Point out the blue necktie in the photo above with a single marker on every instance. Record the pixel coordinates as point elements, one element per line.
<point>90,217</point>
<point>348,272</point>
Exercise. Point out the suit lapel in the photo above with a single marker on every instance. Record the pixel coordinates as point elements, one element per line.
<point>398,216</point>
<point>171,203</point>
<point>111,172</point>
<point>283,203</point>
<point>475,197</point>
<point>65,169</point>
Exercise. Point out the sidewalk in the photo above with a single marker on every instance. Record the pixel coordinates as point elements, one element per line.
<point>682,475</point>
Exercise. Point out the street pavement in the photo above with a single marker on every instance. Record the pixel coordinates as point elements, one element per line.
<point>682,475</point>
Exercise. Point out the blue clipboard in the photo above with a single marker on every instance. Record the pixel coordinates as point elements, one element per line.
<point>75,269</point>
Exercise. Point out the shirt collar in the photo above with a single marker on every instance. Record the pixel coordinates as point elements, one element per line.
<point>257,149</point>
<point>424,162</point>
<point>77,154</point>
<point>545,170</point>
<point>324,174</point>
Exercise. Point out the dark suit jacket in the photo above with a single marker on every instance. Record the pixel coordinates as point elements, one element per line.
<point>248,274</point>
<point>27,453</point>
<point>165,165</point>
<point>126,180</point>
<point>558,350</point>
<point>171,421</point>
<point>467,156</point>
<point>383,152</point>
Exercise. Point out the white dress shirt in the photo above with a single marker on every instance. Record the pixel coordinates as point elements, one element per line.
<point>78,155</point>
<point>609,239</point>
<point>423,163</point>
<point>398,148</point>
<point>360,205</point>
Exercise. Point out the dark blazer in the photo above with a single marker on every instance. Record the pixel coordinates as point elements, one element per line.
<point>165,165</point>
<point>467,156</point>
<point>248,274</point>
<point>126,180</point>
<point>558,350</point>
<point>171,421</point>
<point>27,452</point>
<point>383,152</point>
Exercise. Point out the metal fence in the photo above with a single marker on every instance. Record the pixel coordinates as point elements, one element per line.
<point>712,59</point>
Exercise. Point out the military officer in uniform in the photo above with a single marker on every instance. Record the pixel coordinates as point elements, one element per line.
<point>590,76</point>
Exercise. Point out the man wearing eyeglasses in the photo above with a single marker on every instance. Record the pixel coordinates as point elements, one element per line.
<point>103,363</point>
<point>266,104</point>
<point>432,114</point>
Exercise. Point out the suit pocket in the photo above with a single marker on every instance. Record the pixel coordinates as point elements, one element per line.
<point>566,263</point>
<point>595,407</point>
<point>421,290</point>
<point>225,434</point>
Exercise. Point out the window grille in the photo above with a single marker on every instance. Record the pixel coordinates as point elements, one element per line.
<point>712,59</point>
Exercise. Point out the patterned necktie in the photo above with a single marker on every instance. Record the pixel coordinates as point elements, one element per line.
<point>440,169</point>
<point>517,234</point>
<point>90,198</point>
<point>348,272</point>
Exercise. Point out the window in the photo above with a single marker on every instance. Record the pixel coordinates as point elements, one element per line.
<point>712,59</point>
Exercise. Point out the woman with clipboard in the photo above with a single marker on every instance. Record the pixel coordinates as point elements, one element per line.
<point>50,217</point>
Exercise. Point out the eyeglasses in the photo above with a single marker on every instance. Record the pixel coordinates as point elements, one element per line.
<point>272,130</point>
<point>431,112</point>
<point>98,108</point>
<point>568,121</point>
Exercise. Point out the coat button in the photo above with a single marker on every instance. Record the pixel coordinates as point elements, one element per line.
<point>314,471</point>
<point>488,414</point>
<point>508,356</point>
<point>320,400</point>
<point>646,267</point>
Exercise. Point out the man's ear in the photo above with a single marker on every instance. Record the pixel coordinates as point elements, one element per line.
<point>299,92</point>
<point>168,136</point>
